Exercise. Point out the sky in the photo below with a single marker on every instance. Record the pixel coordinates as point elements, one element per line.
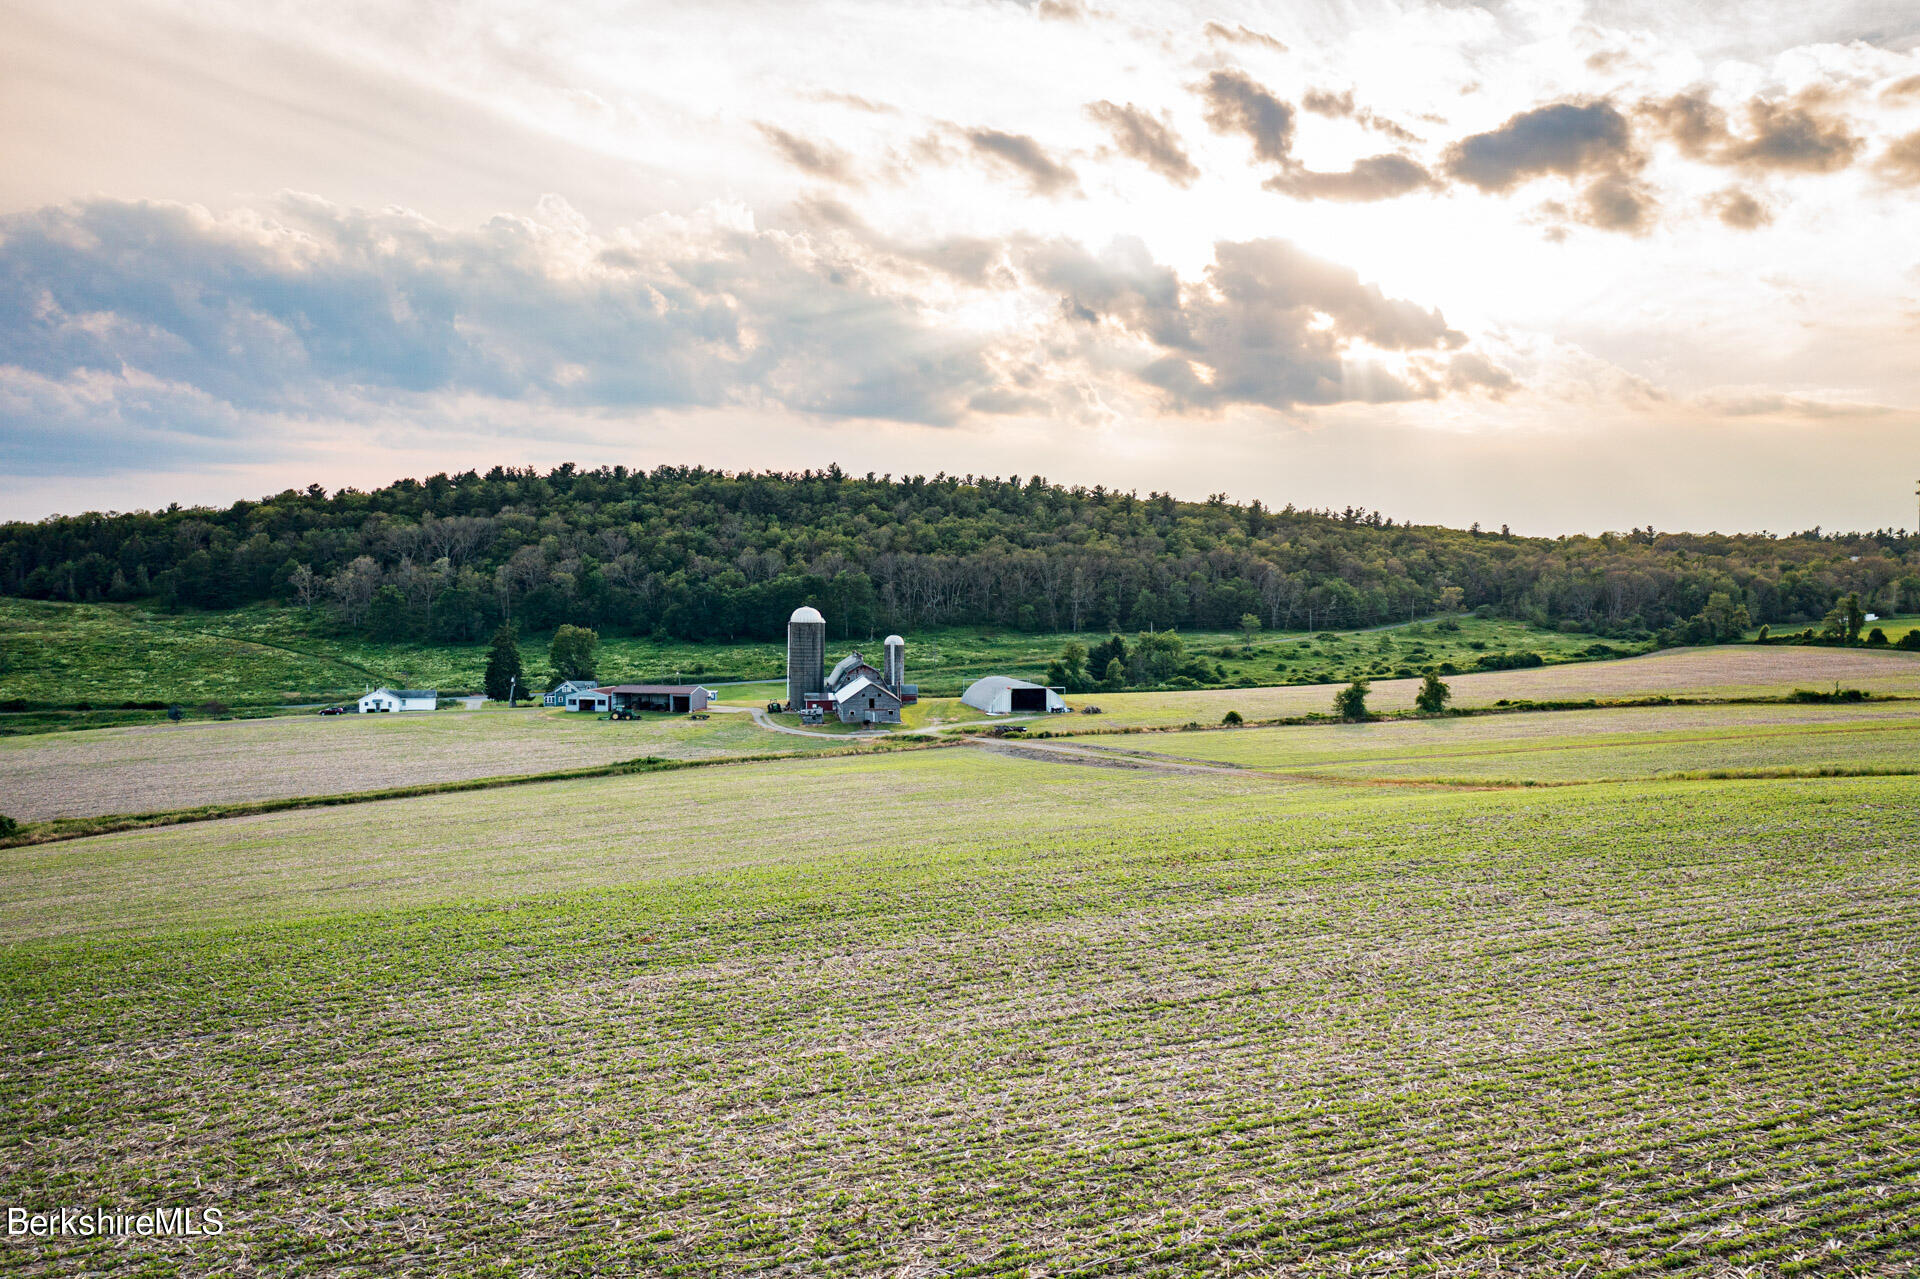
<point>1557,265</point>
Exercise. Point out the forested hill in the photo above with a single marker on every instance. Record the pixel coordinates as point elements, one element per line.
<point>702,554</point>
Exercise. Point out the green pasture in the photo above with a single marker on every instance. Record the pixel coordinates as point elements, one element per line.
<point>60,655</point>
<point>1021,1018</point>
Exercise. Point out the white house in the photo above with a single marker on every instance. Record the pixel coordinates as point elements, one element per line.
<point>399,699</point>
<point>1003,695</point>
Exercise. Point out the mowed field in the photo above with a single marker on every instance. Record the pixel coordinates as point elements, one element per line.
<point>150,768</point>
<point>1727,671</point>
<point>956,1012</point>
<point>1569,746</point>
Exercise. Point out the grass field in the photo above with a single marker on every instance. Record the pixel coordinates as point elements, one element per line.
<point>62,654</point>
<point>1599,745</point>
<point>1043,1020</point>
<point>1731,671</point>
<point>155,767</point>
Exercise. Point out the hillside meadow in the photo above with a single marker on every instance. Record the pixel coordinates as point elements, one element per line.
<point>1084,1020</point>
<point>60,655</point>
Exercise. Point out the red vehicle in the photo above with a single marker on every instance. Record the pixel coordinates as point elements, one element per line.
<point>333,710</point>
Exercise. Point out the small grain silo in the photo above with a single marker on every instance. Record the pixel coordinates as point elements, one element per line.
<point>806,655</point>
<point>896,671</point>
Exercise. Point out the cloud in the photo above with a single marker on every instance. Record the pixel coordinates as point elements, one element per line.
<point>1045,175</point>
<point>1904,88</point>
<point>854,100</point>
<point>820,159</point>
<point>1900,163</point>
<point>315,310</point>
<point>1238,104</point>
<point>1617,202</point>
<point>1341,106</point>
<point>1378,177</point>
<point>1740,209</point>
<point>1238,34</point>
<point>1567,139</point>
<point>1793,134</point>
<point>1270,325</point>
<point>1148,140</point>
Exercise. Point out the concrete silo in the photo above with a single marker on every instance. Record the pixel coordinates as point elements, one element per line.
<point>806,655</point>
<point>896,671</point>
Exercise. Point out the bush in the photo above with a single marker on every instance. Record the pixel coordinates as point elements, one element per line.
<point>1876,638</point>
<point>215,708</point>
<point>1350,703</point>
<point>1509,661</point>
<point>1232,717</point>
<point>8,826</point>
<point>1433,695</point>
<point>1837,695</point>
<point>1911,640</point>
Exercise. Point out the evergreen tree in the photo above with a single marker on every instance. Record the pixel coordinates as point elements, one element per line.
<point>504,672</point>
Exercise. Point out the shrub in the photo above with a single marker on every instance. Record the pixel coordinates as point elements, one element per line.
<point>1350,703</point>
<point>1433,695</point>
<point>7,826</point>
<point>1509,661</point>
<point>1876,638</point>
<point>1911,640</point>
<point>1232,717</point>
<point>214,708</point>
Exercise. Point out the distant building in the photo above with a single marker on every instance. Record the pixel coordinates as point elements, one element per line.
<point>399,699</point>
<point>592,699</point>
<point>674,699</point>
<point>1004,695</point>
<point>558,694</point>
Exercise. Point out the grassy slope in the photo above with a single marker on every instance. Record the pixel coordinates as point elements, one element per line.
<point>1697,672</point>
<point>106,654</point>
<point>1173,1021</point>
<point>1601,745</point>
<point>149,768</point>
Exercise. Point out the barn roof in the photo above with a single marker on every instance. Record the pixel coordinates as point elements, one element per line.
<point>859,686</point>
<point>405,692</point>
<point>681,689</point>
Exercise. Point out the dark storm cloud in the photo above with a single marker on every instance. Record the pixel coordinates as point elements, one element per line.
<point>1238,34</point>
<point>1238,104</point>
<point>1740,209</point>
<point>1149,140</point>
<point>822,160</point>
<point>174,323</point>
<point>1271,326</point>
<point>1044,175</point>
<point>1796,134</point>
<point>1567,139</point>
<point>1378,177</point>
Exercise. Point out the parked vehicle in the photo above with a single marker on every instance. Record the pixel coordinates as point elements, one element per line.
<point>333,710</point>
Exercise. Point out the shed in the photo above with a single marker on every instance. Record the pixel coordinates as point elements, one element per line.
<point>1004,695</point>
<point>399,699</point>
<point>672,698</point>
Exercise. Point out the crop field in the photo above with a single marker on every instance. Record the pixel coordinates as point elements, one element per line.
<point>1047,1019</point>
<point>1597,745</point>
<point>1730,671</point>
<point>165,766</point>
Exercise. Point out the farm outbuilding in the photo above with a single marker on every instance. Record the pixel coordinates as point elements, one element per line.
<point>560,694</point>
<point>593,700</point>
<point>1004,695</point>
<point>399,699</point>
<point>675,699</point>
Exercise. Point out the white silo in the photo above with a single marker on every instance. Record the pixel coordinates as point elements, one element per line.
<point>896,672</point>
<point>806,655</point>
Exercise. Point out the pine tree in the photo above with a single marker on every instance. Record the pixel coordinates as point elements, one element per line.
<point>504,671</point>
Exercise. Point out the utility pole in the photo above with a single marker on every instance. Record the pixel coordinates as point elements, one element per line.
<point>513,683</point>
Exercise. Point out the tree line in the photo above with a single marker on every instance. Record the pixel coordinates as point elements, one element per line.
<point>704,555</point>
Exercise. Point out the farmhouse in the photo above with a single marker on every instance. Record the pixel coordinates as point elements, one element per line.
<point>399,699</point>
<point>676,699</point>
<point>1004,695</point>
<point>558,695</point>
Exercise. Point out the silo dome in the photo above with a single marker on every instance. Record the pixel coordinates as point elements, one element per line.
<point>891,640</point>
<point>806,613</point>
